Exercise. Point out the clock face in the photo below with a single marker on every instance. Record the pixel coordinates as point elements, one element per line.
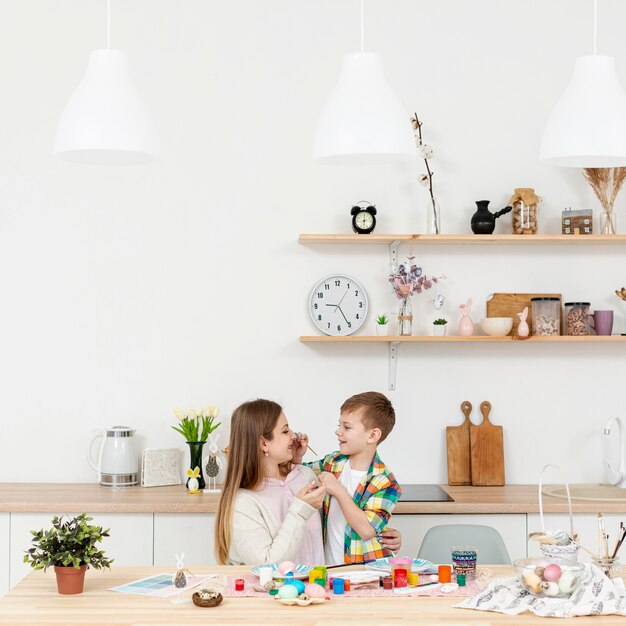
<point>364,220</point>
<point>338,305</point>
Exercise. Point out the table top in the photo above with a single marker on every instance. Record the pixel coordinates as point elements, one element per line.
<point>35,602</point>
<point>93,498</point>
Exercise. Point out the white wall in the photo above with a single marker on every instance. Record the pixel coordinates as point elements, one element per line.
<point>128,291</point>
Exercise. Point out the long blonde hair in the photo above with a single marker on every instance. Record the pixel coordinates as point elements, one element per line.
<point>250,421</point>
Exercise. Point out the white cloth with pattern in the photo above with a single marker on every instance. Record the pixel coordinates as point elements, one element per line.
<point>598,595</point>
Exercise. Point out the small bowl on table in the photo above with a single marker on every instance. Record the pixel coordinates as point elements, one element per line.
<point>550,578</point>
<point>496,326</point>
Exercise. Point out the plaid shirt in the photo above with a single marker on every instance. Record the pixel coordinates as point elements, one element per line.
<point>376,495</point>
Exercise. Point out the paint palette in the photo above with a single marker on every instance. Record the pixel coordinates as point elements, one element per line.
<point>300,571</point>
<point>419,565</point>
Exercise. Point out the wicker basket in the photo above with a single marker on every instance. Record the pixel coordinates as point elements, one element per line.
<point>569,551</point>
<point>213,601</point>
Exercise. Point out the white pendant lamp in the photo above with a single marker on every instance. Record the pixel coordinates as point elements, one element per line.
<point>363,120</point>
<point>587,127</point>
<point>105,121</point>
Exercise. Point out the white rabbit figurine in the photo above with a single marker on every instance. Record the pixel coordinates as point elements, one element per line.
<point>179,580</point>
<point>522,329</point>
<point>466,326</point>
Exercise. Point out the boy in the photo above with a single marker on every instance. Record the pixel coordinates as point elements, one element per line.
<point>361,491</point>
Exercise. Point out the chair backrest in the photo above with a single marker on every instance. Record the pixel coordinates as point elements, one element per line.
<point>439,541</point>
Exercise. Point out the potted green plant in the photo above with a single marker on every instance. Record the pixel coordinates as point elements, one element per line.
<point>440,327</point>
<point>382,325</point>
<point>69,546</point>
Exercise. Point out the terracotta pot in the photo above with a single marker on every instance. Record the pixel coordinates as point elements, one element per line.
<point>69,579</point>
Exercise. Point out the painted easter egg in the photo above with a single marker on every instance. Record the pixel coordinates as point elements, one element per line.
<point>551,589</point>
<point>286,592</point>
<point>313,590</point>
<point>552,572</point>
<point>286,566</point>
<point>533,582</point>
<point>567,582</point>
<point>298,584</point>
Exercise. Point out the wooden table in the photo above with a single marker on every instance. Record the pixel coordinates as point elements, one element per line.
<point>35,601</point>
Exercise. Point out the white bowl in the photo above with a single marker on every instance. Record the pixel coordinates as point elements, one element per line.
<point>496,326</point>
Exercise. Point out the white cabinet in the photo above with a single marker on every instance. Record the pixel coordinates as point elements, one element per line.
<point>130,542</point>
<point>4,552</point>
<point>414,527</point>
<point>585,524</point>
<point>192,534</point>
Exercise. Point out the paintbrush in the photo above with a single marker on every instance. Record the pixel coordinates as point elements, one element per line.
<point>299,436</point>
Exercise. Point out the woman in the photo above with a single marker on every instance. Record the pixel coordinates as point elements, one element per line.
<point>268,507</point>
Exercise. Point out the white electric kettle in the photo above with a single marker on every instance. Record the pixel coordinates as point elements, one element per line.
<point>118,463</point>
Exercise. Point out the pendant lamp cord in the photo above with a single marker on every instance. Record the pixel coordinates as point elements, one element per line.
<point>595,26</point>
<point>108,24</point>
<point>362,28</point>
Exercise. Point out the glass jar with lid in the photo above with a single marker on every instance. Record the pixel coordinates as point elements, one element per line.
<point>577,318</point>
<point>525,205</point>
<point>546,316</point>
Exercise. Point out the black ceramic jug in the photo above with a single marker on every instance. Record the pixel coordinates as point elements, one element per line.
<point>484,221</point>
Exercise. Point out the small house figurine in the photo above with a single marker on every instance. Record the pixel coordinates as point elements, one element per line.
<point>193,485</point>
<point>522,328</point>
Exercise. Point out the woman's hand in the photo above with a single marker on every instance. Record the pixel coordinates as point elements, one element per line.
<point>299,447</point>
<point>391,539</point>
<point>313,494</point>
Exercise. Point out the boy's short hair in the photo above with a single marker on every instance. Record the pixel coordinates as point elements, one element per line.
<point>378,411</point>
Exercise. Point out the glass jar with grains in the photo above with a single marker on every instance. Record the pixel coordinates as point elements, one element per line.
<point>525,208</point>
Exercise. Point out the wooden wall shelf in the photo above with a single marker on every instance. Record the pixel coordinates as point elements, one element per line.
<point>458,339</point>
<point>465,239</point>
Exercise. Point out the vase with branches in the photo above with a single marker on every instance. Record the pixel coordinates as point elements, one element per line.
<point>433,214</point>
<point>606,183</point>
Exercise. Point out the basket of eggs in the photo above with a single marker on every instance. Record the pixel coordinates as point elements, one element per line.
<point>550,578</point>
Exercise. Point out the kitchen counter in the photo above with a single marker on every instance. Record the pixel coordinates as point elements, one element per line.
<point>75,497</point>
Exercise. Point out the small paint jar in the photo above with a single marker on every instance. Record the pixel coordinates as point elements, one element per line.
<point>320,581</point>
<point>400,578</point>
<point>400,562</point>
<point>273,592</point>
<point>338,586</point>
<point>460,580</point>
<point>387,582</point>
<point>445,573</point>
<point>239,584</point>
<point>346,584</point>
<point>413,578</point>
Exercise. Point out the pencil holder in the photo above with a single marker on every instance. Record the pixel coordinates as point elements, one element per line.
<point>610,566</point>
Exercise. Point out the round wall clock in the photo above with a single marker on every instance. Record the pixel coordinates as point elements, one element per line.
<point>338,305</point>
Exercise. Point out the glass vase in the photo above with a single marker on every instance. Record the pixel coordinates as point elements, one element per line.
<point>608,224</point>
<point>433,217</point>
<point>405,318</point>
<point>195,460</point>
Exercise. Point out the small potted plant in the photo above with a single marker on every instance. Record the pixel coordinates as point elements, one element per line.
<point>69,546</point>
<point>382,325</point>
<point>440,327</point>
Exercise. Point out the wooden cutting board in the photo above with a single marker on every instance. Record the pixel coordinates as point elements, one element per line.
<point>487,451</point>
<point>458,449</point>
<point>510,304</point>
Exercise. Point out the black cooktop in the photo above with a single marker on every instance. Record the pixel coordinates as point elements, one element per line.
<point>424,493</point>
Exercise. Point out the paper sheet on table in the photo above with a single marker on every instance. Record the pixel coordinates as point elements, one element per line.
<point>160,585</point>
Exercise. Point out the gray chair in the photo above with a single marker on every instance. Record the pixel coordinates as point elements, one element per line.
<point>439,540</point>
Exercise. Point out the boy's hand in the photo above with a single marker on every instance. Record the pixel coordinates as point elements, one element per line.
<point>299,447</point>
<point>391,539</point>
<point>330,482</point>
<point>313,494</point>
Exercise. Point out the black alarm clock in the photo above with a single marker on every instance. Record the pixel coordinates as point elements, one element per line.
<point>363,218</point>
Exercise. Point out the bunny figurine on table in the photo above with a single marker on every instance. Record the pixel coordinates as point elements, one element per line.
<point>180,579</point>
<point>466,326</point>
<point>522,329</point>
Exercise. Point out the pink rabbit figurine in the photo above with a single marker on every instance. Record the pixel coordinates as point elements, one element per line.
<point>466,326</point>
<point>522,329</point>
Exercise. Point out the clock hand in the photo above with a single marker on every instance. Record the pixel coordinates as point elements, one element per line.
<point>344,317</point>
<point>342,297</point>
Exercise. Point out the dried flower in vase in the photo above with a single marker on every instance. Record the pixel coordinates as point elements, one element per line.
<point>426,152</point>
<point>606,183</point>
